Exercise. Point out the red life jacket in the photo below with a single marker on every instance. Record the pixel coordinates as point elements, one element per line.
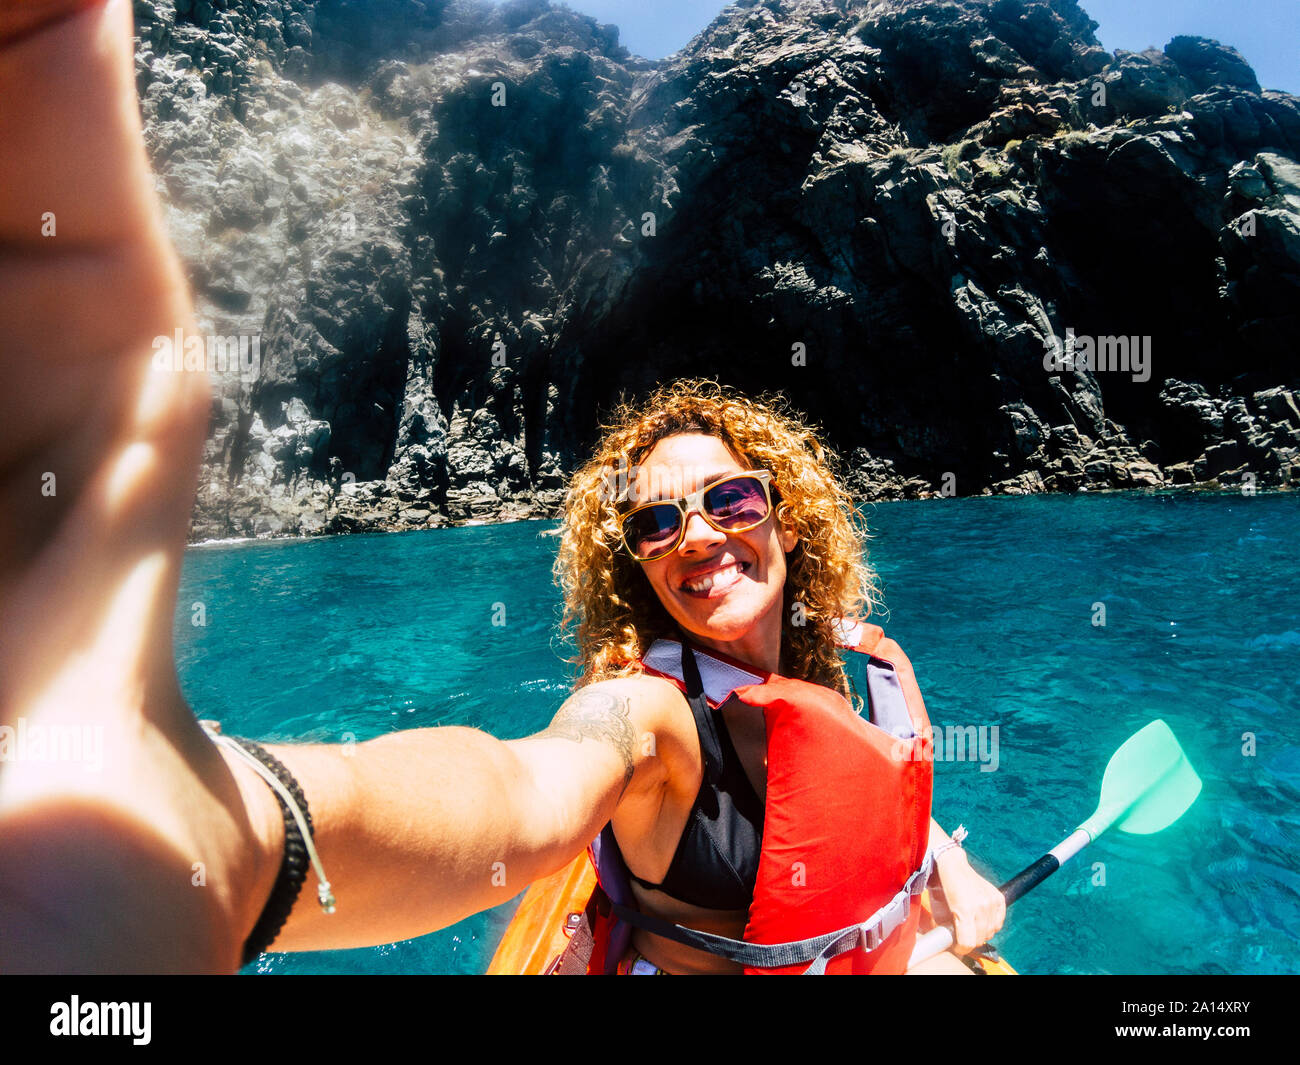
<point>846,824</point>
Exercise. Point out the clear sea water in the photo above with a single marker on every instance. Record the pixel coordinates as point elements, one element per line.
<point>994,601</point>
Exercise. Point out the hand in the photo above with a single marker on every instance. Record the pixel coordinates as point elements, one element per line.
<point>974,907</point>
<point>98,464</point>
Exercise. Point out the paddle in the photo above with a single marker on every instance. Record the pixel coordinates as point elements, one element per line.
<point>1148,785</point>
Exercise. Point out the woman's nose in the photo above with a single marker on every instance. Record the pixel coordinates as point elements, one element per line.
<point>699,533</point>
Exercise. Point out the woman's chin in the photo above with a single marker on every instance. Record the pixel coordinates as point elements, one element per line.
<point>720,619</point>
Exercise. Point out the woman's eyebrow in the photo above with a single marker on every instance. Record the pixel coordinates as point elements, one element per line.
<point>714,475</point>
<point>667,482</point>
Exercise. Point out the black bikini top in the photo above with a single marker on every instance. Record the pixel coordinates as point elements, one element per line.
<point>716,862</point>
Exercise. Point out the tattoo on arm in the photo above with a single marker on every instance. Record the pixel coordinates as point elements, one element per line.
<point>599,716</point>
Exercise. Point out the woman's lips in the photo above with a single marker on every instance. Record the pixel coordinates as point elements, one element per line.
<point>716,582</point>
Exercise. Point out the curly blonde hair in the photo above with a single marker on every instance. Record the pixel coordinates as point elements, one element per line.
<point>617,612</point>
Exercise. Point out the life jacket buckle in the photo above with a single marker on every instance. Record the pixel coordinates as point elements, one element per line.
<point>889,920</point>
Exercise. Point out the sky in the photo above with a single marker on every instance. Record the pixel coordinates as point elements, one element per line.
<point>1266,32</point>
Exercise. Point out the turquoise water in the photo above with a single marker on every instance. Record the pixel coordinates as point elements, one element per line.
<point>994,601</point>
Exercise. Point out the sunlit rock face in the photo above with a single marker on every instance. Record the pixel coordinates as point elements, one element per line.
<point>985,254</point>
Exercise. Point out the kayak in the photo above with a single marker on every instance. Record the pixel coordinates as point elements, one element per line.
<point>552,907</point>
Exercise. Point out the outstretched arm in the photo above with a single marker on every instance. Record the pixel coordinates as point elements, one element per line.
<point>98,457</point>
<point>419,829</point>
<point>161,856</point>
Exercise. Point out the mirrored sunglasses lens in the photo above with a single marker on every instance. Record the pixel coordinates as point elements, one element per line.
<point>652,530</point>
<point>735,504</point>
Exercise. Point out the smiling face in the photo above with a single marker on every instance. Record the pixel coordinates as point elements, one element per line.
<point>723,589</point>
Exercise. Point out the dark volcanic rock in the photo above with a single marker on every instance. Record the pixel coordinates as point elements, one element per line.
<point>1208,63</point>
<point>986,254</point>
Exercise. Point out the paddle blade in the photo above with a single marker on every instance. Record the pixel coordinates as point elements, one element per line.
<point>1149,784</point>
<point>1166,804</point>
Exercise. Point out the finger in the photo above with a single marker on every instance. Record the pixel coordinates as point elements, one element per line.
<point>990,921</point>
<point>939,908</point>
<point>964,931</point>
<point>88,571</point>
<point>75,147</point>
<point>19,20</point>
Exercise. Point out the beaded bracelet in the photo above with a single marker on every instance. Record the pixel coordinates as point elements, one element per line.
<point>958,835</point>
<point>298,842</point>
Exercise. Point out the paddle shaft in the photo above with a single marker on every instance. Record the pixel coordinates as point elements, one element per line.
<point>1032,875</point>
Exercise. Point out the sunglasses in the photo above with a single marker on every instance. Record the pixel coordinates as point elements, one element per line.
<point>737,503</point>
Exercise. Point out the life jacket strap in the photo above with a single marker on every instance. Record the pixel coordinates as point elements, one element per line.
<point>819,950</point>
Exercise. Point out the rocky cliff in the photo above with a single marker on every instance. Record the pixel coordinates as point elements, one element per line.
<point>986,254</point>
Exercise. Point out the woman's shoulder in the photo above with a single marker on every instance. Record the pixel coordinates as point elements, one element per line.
<point>655,705</point>
<point>638,686</point>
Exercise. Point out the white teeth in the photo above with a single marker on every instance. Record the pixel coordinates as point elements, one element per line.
<point>706,582</point>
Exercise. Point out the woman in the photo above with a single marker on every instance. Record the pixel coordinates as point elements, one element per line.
<point>165,857</point>
<point>763,586</point>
